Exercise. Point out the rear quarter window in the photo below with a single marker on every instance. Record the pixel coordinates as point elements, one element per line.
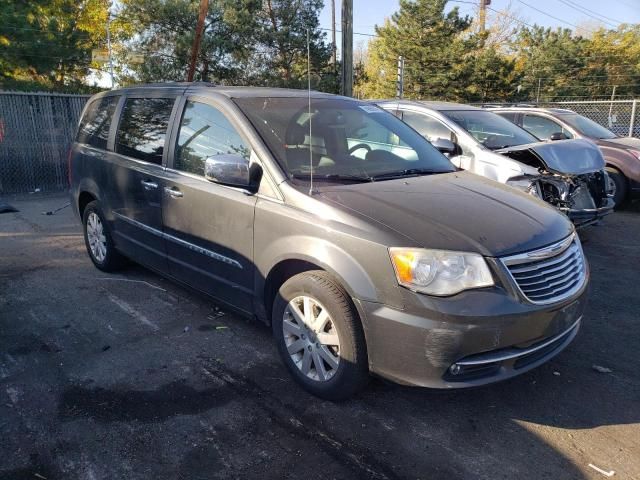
<point>511,116</point>
<point>95,124</point>
<point>143,128</point>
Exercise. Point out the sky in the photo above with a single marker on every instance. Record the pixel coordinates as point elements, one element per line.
<point>368,13</point>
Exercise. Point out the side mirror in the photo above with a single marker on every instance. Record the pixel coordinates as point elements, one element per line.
<point>445,146</point>
<point>558,136</point>
<point>232,170</point>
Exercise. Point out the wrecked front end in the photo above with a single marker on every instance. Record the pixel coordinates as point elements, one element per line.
<point>570,176</point>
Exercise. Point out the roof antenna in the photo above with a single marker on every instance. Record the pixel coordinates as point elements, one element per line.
<point>309,96</point>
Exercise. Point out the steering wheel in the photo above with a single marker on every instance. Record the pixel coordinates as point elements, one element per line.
<point>358,147</point>
<point>493,141</point>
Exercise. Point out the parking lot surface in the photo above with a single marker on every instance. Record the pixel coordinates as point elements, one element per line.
<point>131,376</point>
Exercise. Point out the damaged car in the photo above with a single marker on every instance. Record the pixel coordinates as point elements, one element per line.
<point>568,174</point>
<point>621,154</point>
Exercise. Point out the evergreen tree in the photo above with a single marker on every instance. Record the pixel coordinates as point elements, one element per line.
<point>434,46</point>
<point>281,57</point>
<point>164,37</point>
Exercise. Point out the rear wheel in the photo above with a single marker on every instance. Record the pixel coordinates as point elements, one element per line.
<point>618,184</point>
<point>98,240</point>
<point>319,336</point>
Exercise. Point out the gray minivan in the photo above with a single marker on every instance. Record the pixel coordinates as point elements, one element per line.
<point>334,222</point>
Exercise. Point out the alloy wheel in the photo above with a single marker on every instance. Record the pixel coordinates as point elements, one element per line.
<point>96,237</point>
<point>311,338</point>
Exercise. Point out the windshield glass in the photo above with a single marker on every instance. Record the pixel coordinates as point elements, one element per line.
<point>349,142</point>
<point>491,130</point>
<point>587,127</point>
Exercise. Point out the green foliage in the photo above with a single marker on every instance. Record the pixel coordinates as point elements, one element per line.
<point>244,41</point>
<point>492,77</point>
<point>443,59</point>
<point>555,56</point>
<point>281,48</point>
<point>164,32</point>
<point>433,45</point>
<point>47,44</point>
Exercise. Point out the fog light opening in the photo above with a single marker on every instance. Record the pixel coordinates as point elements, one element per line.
<point>455,369</point>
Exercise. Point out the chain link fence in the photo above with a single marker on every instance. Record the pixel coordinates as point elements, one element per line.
<point>36,131</point>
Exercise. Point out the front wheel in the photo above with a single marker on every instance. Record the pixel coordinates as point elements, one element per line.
<point>319,336</point>
<point>619,186</point>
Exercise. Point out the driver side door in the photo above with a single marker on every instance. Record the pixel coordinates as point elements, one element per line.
<point>433,129</point>
<point>208,227</point>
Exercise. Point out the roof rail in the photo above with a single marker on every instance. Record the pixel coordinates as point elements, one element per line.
<point>174,84</point>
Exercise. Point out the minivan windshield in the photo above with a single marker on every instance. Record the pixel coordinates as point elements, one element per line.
<point>347,141</point>
<point>587,127</point>
<point>489,129</point>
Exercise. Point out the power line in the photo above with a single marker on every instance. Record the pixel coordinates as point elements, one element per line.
<point>584,12</point>
<point>547,14</point>
<point>355,33</point>
<point>516,19</point>
<point>594,12</point>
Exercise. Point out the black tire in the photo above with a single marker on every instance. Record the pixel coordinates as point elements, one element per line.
<point>620,197</point>
<point>352,373</point>
<point>112,260</point>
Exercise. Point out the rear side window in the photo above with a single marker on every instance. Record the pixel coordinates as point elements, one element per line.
<point>511,116</point>
<point>95,124</point>
<point>143,128</point>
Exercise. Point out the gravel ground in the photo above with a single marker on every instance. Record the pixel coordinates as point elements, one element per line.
<point>131,376</point>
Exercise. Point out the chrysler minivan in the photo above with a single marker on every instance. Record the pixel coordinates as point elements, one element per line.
<point>362,246</point>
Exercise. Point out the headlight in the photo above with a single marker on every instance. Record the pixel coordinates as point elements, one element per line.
<point>526,183</point>
<point>439,272</point>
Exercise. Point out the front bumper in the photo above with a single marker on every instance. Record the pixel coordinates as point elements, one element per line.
<point>489,335</point>
<point>588,216</point>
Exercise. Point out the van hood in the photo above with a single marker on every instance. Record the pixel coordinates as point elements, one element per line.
<point>569,157</point>
<point>622,142</point>
<point>454,211</point>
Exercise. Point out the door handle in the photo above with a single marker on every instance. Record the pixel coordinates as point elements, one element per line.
<point>174,192</point>
<point>149,185</point>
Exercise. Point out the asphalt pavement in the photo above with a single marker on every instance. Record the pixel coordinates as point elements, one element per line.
<point>129,376</point>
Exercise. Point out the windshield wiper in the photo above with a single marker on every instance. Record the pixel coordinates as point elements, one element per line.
<point>332,177</point>
<point>409,172</point>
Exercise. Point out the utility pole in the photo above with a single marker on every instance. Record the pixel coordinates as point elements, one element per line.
<point>347,48</point>
<point>482,17</point>
<point>400,80</point>
<point>195,49</point>
<point>613,95</point>
<point>333,34</point>
<point>109,46</point>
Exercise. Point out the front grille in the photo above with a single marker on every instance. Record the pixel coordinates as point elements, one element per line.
<point>540,353</point>
<point>550,274</point>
